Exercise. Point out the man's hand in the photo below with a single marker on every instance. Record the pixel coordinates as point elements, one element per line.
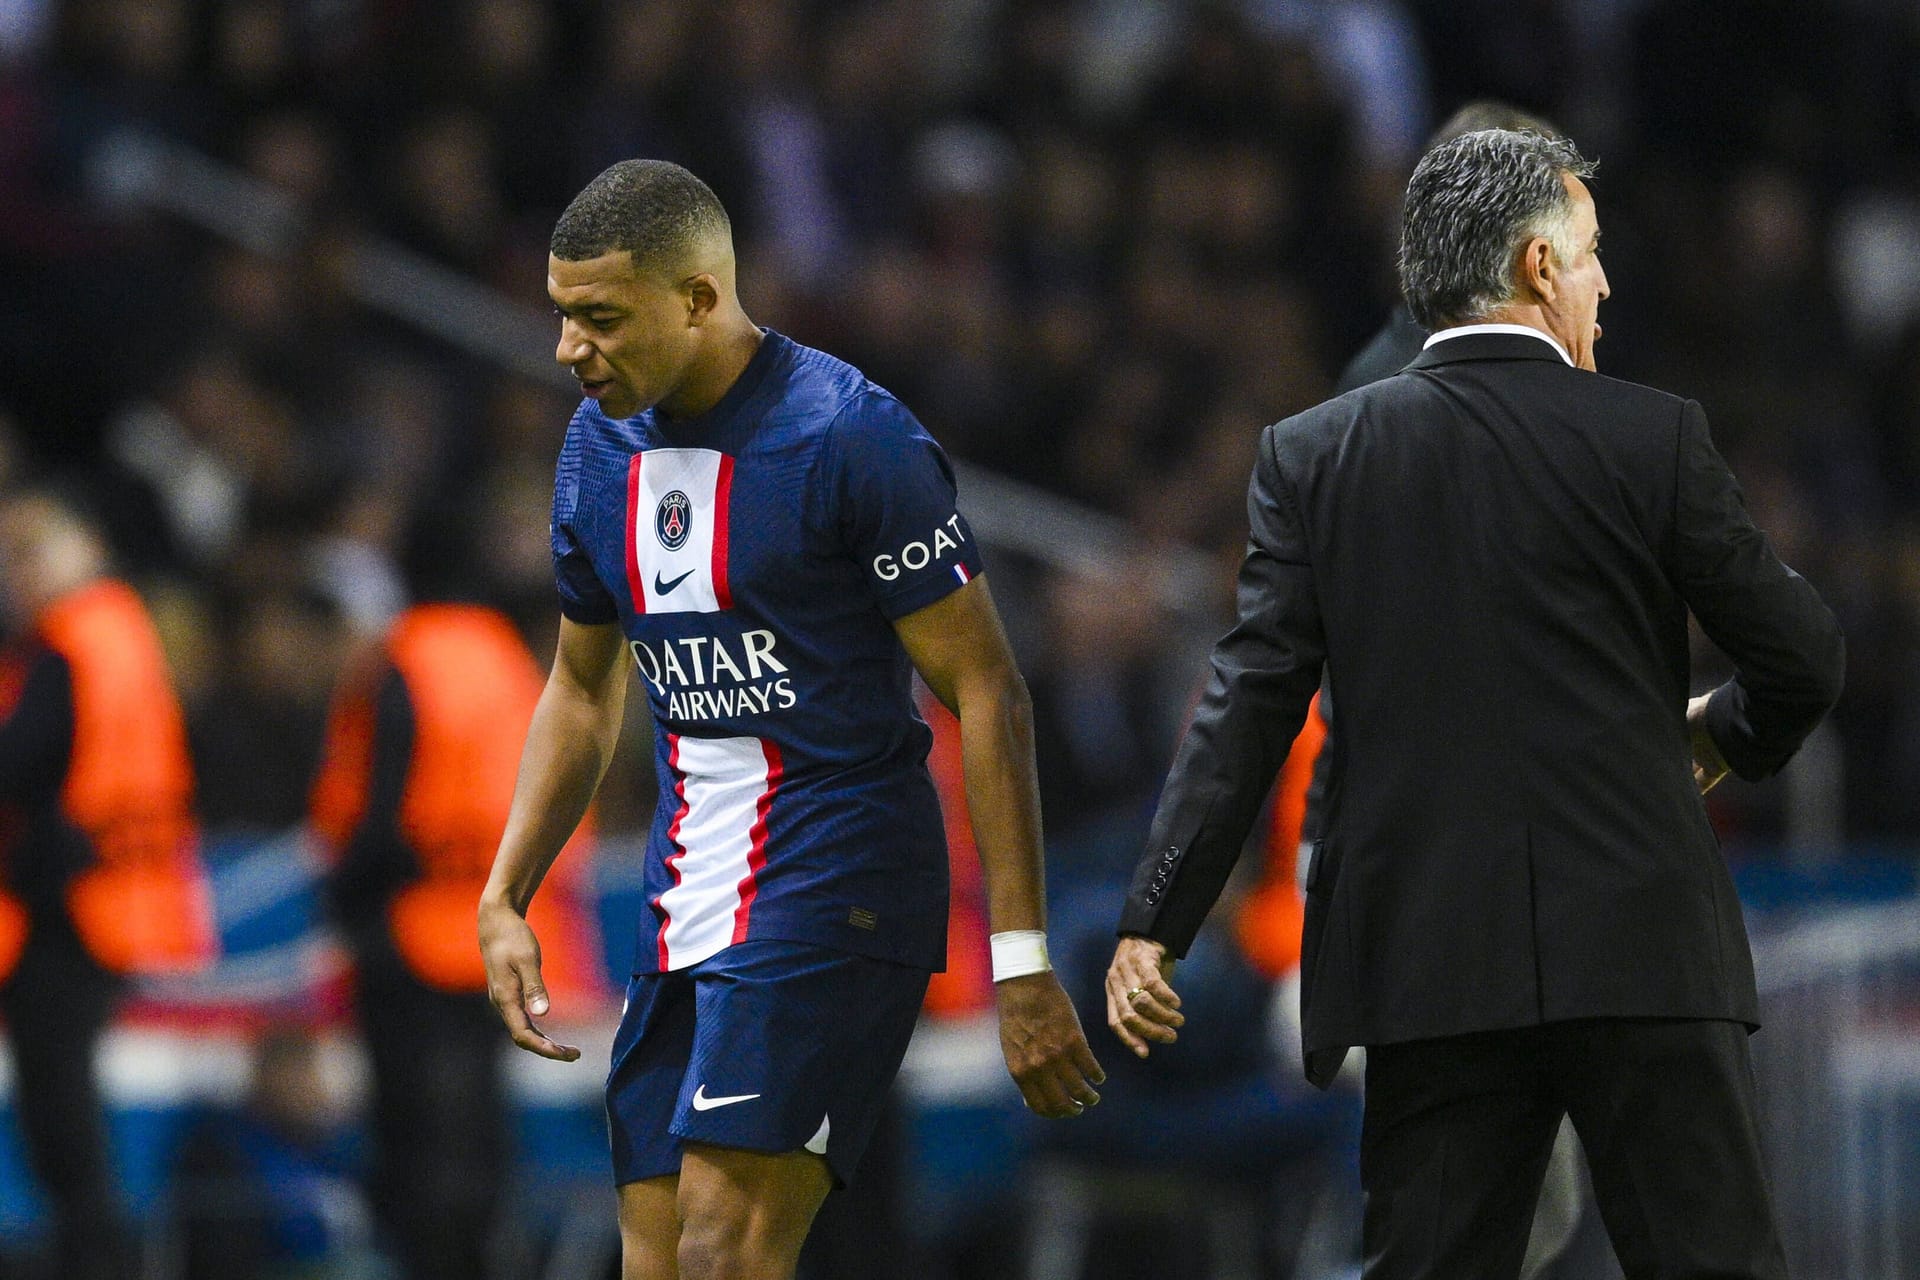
<point>1047,1053</point>
<point>512,956</point>
<point>1709,766</point>
<point>1141,1007</point>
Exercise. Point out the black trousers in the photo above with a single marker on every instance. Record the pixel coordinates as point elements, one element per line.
<point>57,1003</point>
<point>439,1120</point>
<point>1457,1132</point>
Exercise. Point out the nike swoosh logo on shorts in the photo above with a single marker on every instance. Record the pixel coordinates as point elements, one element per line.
<point>701,1102</point>
<point>662,588</point>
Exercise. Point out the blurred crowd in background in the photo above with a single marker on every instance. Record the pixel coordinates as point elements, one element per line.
<point>1095,245</point>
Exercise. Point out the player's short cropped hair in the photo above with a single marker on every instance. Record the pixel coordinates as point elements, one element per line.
<point>653,209</point>
<point>1472,205</point>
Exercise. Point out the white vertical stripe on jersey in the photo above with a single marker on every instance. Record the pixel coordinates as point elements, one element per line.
<point>722,782</point>
<point>680,580</point>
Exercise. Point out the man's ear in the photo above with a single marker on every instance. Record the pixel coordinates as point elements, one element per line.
<point>702,296</point>
<point>1539,270</point>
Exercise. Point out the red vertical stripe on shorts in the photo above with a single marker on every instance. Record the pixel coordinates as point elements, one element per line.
<point>757,857</point>
<point>673,831</point>
<point>722,491</point>
<point>636,585</point>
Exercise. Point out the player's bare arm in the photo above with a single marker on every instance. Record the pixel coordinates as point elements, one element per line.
<point>569,744</point>
<point>960,649</point>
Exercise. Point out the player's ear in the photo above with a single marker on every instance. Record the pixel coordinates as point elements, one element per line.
<point>1539,269</point>
<point>702,296</point>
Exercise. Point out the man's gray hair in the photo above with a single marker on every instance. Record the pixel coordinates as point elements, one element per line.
<point>1472,204</point>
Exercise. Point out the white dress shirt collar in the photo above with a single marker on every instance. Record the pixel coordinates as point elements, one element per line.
<point>1461,331</point>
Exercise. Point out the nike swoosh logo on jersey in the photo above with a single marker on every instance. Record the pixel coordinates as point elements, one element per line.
<point>663,588</point>
<point>701,1102</point>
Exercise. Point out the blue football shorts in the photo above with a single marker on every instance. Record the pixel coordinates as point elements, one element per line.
<point>767,1046</point>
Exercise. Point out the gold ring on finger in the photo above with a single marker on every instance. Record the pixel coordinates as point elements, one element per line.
<point>1134,994</point>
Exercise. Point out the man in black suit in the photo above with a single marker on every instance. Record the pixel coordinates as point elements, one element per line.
<point>1517,904</point>
<point>1390,350</point>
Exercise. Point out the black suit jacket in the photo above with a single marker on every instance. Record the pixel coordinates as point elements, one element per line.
<point>1494,554</point>
<point>1389,351</point>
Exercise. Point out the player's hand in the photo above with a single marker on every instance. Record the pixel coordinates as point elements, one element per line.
<point>1047,1053</point>
<point>1709,766</point>
<point>512,956</point>
<point>1141,1008</point>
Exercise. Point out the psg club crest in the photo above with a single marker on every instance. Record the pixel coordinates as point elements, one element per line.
<point>673,520</point>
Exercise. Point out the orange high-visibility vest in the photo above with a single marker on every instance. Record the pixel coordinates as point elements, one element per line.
<point>472,686</point>
<point>144,906</point>
<point>13,916</point>
<point>1270,919</point>
<point>966,985</point>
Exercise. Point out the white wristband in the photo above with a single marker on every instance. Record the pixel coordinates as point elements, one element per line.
<point>1019,952</point>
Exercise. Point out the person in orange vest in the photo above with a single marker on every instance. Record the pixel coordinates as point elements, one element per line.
<point>1268,922</point>
<point>99,877</point>
<point>412,796</point>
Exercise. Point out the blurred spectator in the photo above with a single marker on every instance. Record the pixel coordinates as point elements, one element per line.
<point>422,752</point>
<point>10,460</point>
<point>269,1193</point>
<point>98,877</point>
<point>1875,247</point>
<point>1522,51</point>
<point>218,448</point>
<point>444,189</point>
<point>136,62</point>
<point>507,53</point>
<point>257,728</point>
<point>23,24</point>
<point>1102,726</point>
<point>644,96</point>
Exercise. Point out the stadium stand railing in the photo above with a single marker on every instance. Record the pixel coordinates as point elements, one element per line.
<point>1838,1067</point>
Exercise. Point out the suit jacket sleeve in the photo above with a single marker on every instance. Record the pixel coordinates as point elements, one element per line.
<point>1789,657</point>
<point>1263,676</point>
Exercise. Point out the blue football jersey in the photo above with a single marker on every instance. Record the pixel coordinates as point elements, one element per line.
<point>754,558</point>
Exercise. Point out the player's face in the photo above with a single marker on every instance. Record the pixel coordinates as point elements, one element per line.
<point>1574,312</point>
<point>623,334</point>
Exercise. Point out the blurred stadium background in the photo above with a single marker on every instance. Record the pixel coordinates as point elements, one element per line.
<point>272,278</point>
